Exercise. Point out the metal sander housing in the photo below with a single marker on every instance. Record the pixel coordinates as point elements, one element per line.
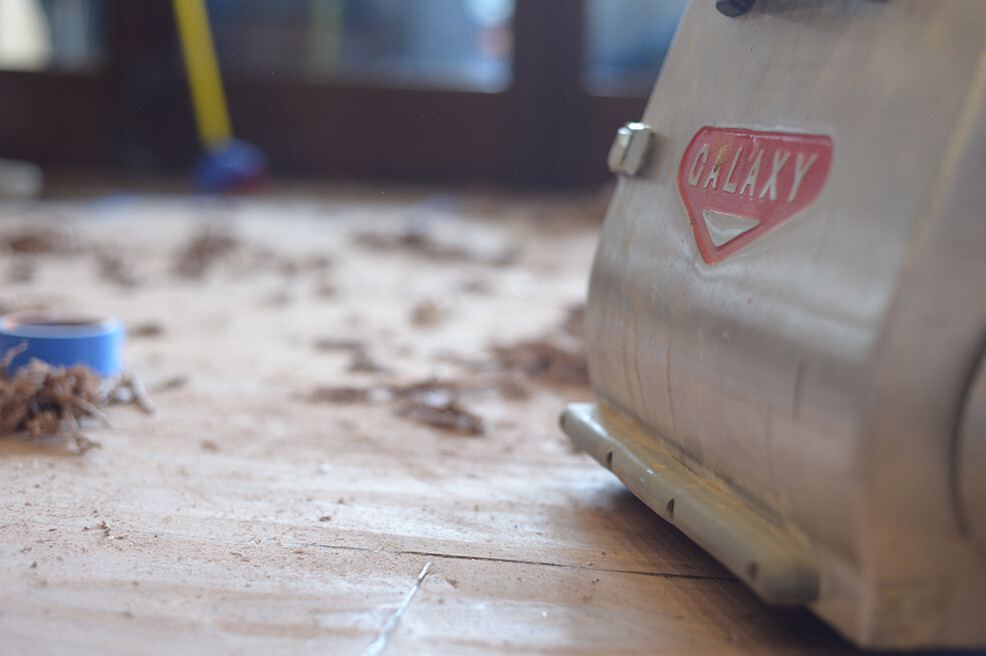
<point>787,312</point>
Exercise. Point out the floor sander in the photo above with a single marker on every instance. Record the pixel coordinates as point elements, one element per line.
<point>786,321</point>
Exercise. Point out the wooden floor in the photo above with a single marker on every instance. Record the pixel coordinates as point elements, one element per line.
<point>244,517</point>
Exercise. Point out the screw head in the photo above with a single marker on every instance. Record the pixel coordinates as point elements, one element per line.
<point>734,8</point>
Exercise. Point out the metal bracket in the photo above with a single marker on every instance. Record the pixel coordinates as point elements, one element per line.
<point>772,561</point>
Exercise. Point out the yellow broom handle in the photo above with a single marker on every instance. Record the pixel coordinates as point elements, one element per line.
<point>202,69</point>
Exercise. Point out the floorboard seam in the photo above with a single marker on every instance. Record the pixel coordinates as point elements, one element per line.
<point>401,552</point>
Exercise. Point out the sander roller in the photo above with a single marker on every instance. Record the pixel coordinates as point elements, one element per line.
<point>786,320</point>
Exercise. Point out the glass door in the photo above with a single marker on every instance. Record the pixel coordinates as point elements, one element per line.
<point>527,92</point>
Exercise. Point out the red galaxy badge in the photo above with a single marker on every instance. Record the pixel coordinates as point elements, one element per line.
<point>738,184</point>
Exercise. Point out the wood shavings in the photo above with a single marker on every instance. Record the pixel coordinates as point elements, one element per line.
<point>342,394</point>
<point>101,526</point>
<point>149,328</point>
<point>428,313</point>
<point>317,262</point>
<point>47,401</point>
<point>434,402</point>
<point>171,383</point>
<point>115,268</point>
<point>512,385</point>
<point>556,361</point>
<point>38,239</point>
<point>450,244</point>
<point>362,361</point>
<point>211,244</point>
<point>442,411</point>
<point>558,358</point>
<point>126,388</point>
<point>338,344</point>
<point>246,260</point>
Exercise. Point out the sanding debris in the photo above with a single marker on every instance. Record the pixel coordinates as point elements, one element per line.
<point>434,402</point>
<point>115,268</point>
<point>442,411</point>
<point>293,266</point>
<point>150,328</point>
<point>452,243</point>
<point>209,245</point>
<point>554,359</point>
<point>338,344</point>
<point>38,239</point>
<point>126,388</point>
<point>47,401</point>
<point>428,313</point>
<point>574,322</point>
<point>362,361</point>
<point>558,361</point>
<point>557,358</point>
<point>342,394</point>
<point>171,383</point>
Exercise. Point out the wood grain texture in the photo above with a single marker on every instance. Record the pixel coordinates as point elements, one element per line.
<point>243,518</point>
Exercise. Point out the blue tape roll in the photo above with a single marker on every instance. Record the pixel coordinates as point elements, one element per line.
<point>64,339</point>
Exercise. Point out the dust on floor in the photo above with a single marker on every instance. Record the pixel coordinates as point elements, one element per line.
<point>348,386</point>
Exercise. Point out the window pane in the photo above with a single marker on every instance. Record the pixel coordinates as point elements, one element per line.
<point>626,41</point>
<point>45,35</point>
<point>431,43</point>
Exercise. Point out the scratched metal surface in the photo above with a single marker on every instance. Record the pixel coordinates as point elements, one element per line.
<point>818,370</point>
